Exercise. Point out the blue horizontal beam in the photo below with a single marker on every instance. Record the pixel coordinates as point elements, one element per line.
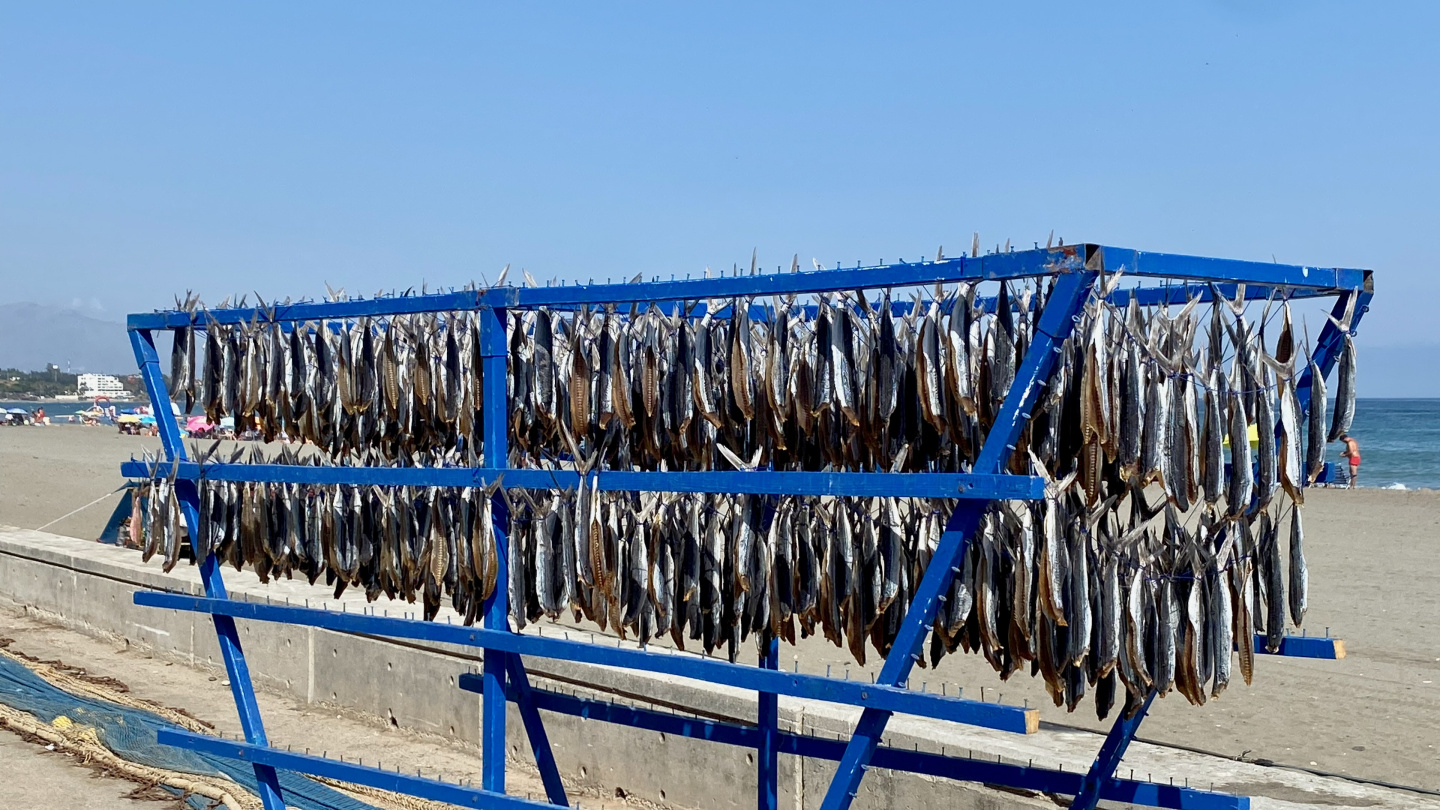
<point>347,772</point>
<point>1017,264</point>
<point>855,693</point>
<point>310,310</point>
<point>1168,295</point>
<point>994,266</point>
<point>755,482</point>
<point>1013,265</point>
<point>965,769</point>
<point>1198,268</point>
<point>1184,293</point>
<point>1331,649</point>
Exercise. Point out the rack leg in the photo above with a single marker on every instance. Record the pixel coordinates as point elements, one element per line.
<point>494,360</point>
<point>767,759</point>
<point>1055,325</point>
<point>142,341</point>
<point>535,730</point>
<point>1103,769</point>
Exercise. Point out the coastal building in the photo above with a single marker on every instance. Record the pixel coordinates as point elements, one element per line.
<point>100,385</point>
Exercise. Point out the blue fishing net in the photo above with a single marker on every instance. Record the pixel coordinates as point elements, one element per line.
<point>130,733</point>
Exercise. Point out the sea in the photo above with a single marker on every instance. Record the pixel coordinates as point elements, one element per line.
<point>1399,443</point>
<point>1399,439</point>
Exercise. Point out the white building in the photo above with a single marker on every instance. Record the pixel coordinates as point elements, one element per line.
<point>101,385</point>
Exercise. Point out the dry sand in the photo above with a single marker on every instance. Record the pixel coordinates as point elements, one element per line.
<point>1374,579</point>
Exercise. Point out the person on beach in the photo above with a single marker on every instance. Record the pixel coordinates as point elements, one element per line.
<point>1352,453</point>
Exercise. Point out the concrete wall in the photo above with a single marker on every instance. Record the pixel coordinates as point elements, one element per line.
<point>89,587</point>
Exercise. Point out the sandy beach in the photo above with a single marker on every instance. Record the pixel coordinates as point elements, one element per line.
<point>1374,583</point>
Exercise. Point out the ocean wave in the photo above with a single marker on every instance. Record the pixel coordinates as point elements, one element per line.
<point>1396,485</point>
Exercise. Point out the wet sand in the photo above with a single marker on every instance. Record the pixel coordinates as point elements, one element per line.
<point>1374,581</point>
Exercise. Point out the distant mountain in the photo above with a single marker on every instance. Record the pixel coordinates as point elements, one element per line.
<point>32,335</point>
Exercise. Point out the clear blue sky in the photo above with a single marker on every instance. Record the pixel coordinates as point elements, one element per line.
<point>146,149</point>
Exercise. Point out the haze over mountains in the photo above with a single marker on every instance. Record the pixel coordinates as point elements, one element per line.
<point>32,335</point>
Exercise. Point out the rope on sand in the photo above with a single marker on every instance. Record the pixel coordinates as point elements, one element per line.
<point>78,686</point>
<point>81,509</point>
<point>86,746</point>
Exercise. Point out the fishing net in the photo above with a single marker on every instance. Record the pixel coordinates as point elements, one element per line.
<point>119,737</point>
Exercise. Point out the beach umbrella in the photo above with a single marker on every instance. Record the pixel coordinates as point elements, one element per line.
<point>128,419</point>
<point>20,411</point>
<point>227,422</point>
<point>147,420</point>
<point>197,423</point>
<point>1254,436</point>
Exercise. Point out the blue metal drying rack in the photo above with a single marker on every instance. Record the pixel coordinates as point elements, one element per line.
<point>504,677</point>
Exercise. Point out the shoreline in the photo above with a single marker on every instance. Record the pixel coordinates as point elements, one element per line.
<point>55,400</point>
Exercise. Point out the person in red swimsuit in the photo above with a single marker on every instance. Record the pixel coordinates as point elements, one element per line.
<point>1352,452</point>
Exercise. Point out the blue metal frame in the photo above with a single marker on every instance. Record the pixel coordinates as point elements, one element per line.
<point>143,342</point>
<point>753,482</point>
<point>1102,772</point>
<point>266,757</point>
<point>1324,647</point>
<point>503,678</point>
<point>767,721</point>
<point>794,684</point>
<point>1027,777</point>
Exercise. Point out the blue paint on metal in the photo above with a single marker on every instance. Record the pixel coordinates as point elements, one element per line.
<point>1027,777</point>
<point>1198,268</point>
<point>1166,295</point>
<point>1055,324</point>
<point>143,344</point>
<point>1170,295</point>
<point>1102,771</point>
<point>266,757</point>
<point>1018,264</point>
<point>535,730</point>
<point>767,758</point>
<point>492,718</point>
<point>1304,647</point>
<point>1331,340</point>
<point>754,482</point>
<point>794,684</point>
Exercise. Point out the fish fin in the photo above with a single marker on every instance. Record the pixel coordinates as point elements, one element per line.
<point>898,463</point>
<point>731,457</point>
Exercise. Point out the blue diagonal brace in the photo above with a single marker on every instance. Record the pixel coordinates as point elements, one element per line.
<point>535,730</point>
<point>148,359</point>
<point>1332,339</point>
<point>1055,325</point>
<point>1102,771</point>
